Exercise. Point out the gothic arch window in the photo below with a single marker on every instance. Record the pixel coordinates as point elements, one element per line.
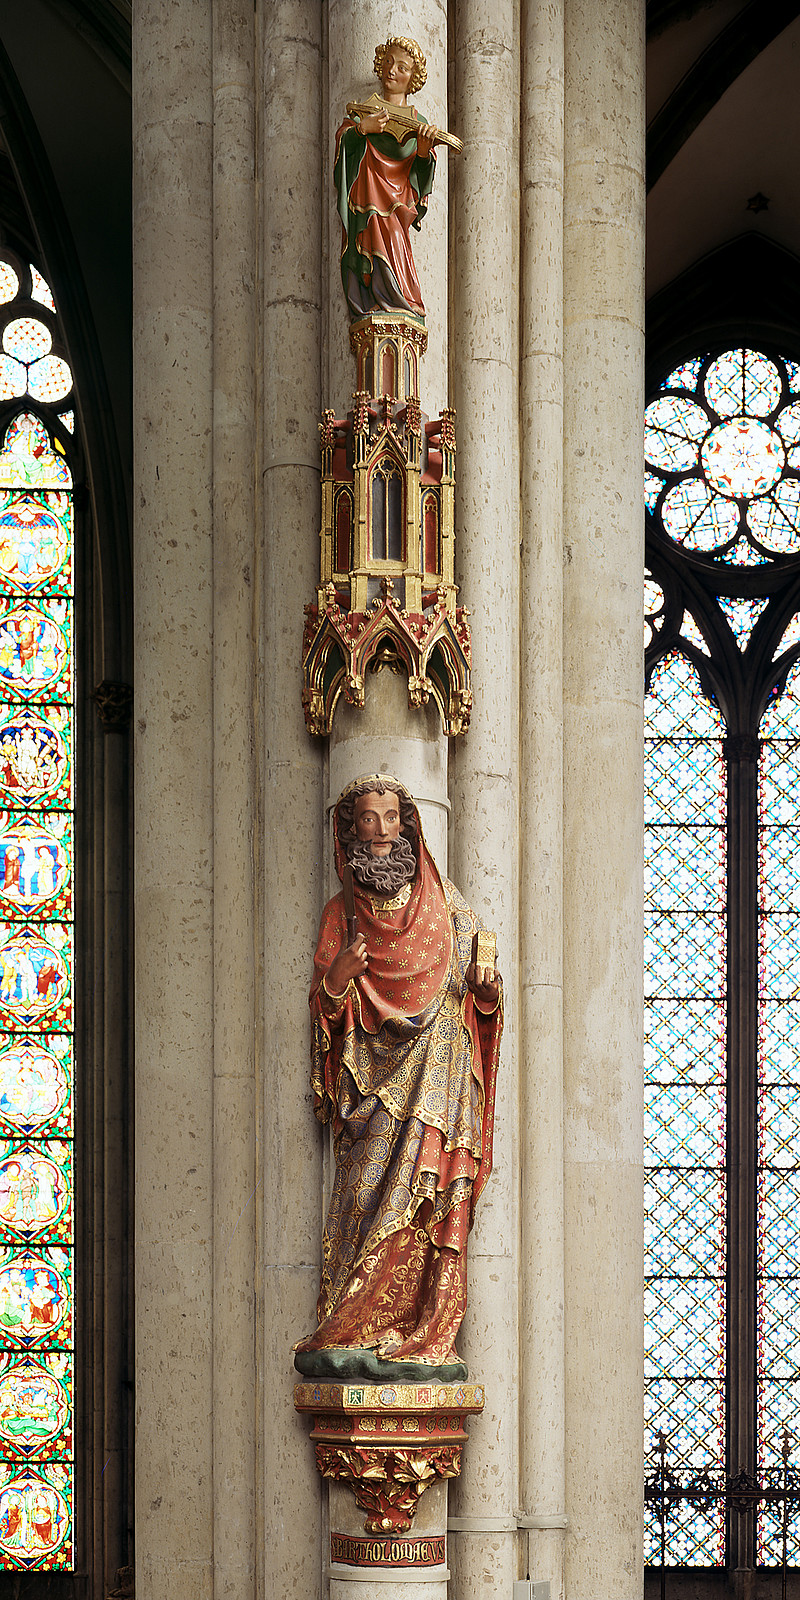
<point>50,241</point>
<point>38,461</point>
<point>722,654</point>
<point>344,530</point>
<point>386,488</point>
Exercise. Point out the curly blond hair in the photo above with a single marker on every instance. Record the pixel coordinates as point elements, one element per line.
<point>419,75</point>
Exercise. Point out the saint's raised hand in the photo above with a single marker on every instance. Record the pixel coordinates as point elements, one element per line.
<point>350,963</point>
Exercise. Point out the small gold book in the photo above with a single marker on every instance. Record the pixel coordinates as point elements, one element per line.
<point>484,948</point>
<point>400,120</point>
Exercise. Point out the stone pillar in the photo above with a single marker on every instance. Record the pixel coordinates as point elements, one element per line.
<point>195,1162</point>
<point>484,769</point>
<point>174,798</point>
<point>234,1152</point>
<point>541,1346</point>
<point>603,532</point>
<point>289,842</point>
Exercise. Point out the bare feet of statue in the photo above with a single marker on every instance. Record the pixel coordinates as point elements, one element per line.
<point>390,1342</point>
<point>393,1347</point>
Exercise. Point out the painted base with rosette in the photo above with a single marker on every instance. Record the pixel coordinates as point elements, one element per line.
<point>383,1447</point>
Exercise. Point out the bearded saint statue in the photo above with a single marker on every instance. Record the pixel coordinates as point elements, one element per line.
<point>405,1041</point>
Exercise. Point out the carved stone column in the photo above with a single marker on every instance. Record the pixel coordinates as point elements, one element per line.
<point>603,788</point>
<point>173,773</point>
<point>195,792</point>
<point>484,319</point>
<point>541,1122</point>
<point>289,848</point>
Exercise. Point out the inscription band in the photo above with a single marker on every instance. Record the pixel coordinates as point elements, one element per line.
<point>387,1552</point>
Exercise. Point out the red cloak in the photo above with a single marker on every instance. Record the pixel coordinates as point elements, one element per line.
<point>405,1069</point>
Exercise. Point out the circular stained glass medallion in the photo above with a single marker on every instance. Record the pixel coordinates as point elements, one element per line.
<point>34,1406</point>
<point>33,1085</point>
<point>742,383</point>
<point>742,458</point>
<point>673,430</point>
<point>34,1299</point>
<point>27,338</point>
<point>49,379</point>
<point>722,443</point>
<point>33,1192</point>
<point>34,1518</point>
<point>13,378</point>
<point>693,516</point>
<point>34,755</point>
<point>790,425</point>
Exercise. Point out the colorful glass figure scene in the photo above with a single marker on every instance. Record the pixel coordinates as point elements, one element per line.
<point>722,449</point>
<point>36,941</point>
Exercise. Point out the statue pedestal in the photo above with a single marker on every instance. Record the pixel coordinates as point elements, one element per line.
<point>388,1450</point>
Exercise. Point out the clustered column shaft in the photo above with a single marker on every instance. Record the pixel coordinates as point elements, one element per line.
<point>241,339</point>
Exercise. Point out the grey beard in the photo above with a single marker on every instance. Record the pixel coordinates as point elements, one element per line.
<point>382,874</point>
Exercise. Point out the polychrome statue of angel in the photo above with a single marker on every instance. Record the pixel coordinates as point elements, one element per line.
<point>383,173</point>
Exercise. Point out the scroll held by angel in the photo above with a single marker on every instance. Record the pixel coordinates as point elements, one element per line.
<point>383,172</point>
<point>406,1023</point>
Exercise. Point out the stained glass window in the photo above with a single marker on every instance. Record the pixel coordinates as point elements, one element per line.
<point>36,935</point>
<point>741,616</point>
<point>778,1105</point>
<point>685,1097</point>
<point>723,456</point>
<point>722,640</point>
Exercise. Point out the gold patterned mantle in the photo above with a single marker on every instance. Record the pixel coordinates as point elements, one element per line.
<point>389,1443</point>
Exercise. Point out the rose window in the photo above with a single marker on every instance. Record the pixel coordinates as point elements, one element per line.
<point>722,450</point>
